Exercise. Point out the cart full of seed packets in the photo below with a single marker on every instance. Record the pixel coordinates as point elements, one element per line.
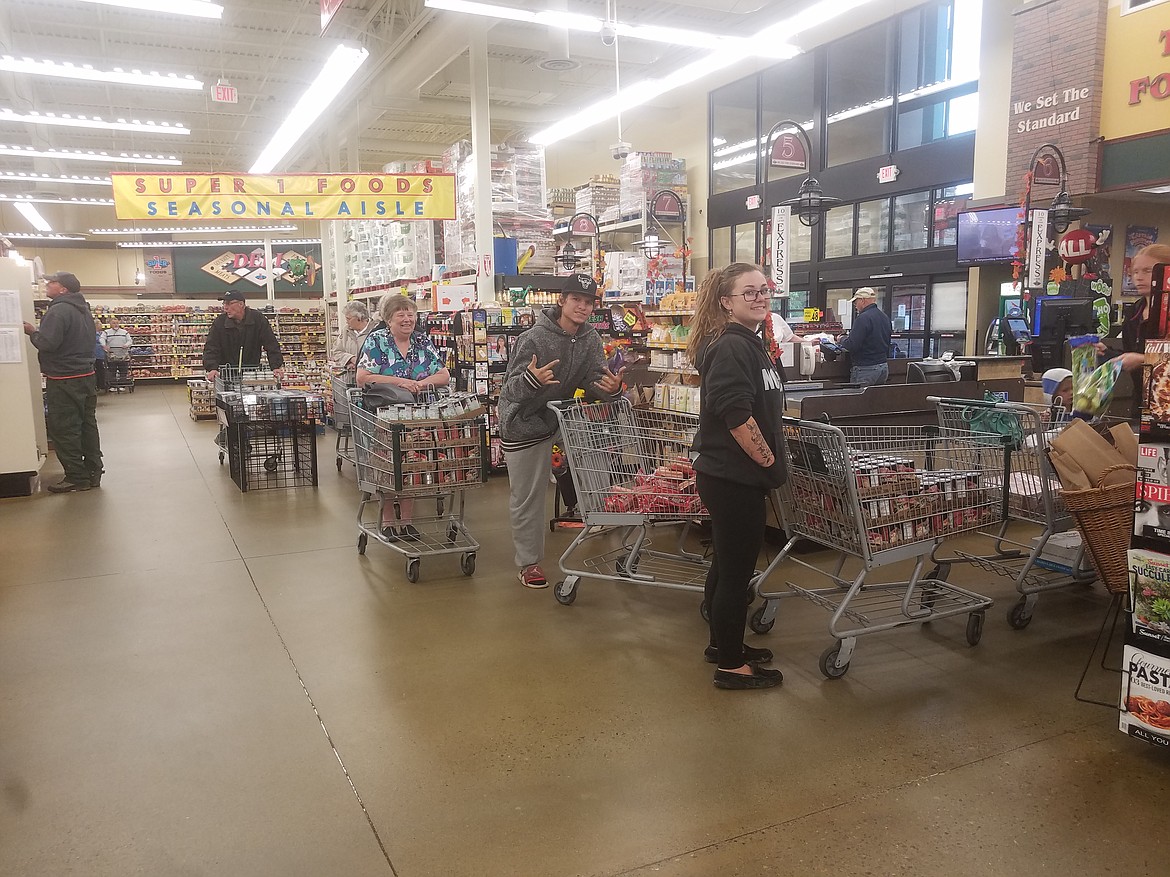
<point>880,495</point>
<point>414,464</point>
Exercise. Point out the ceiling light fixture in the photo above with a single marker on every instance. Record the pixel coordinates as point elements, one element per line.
<point>778,35</point>
<point>48,178</point>
<point>198,229</point>
<point>70,120</point>
<point>197,8</point>
<point>25,236</point>
<point>338,70</point>
<point>32,199</point>
<point>117,75</point>
<point>88,155</point>
<point>139,245</point>
<point>33,216</point>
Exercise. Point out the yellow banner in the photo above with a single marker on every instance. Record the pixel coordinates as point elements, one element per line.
<point>198,197</point>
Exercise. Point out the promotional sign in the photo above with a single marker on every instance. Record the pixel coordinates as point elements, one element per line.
<point>788,151</point>
<point>780,217</point>
<point>1037,249</point>
<point>159,270</point>
<point>296,269</point>
<point>1137,237</point>
<point>195,197</point>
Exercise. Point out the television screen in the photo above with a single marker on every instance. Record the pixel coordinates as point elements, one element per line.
<point>987,236</point>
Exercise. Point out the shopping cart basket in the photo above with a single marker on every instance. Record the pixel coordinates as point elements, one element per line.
<point>403,458</point>
<point>343,385</point>
<point>1020,433</point>
<point>882,495</point>
<point>631,469</point>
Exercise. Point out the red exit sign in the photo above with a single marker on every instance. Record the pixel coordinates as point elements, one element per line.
<point>225,94</point>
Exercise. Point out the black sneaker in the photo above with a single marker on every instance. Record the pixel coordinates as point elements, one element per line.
<point>95,479</point>
<point>750,655</point>
<point>67,487</point>
<point>761,677</point>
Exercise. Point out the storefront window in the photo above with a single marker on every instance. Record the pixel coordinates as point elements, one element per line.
<point>800,241</point>
<point>911,226</point>
<point>745,242</point>
<point>873,226</point>
<point>947,204</point>
<point>839,232</point>
<point>720,247</point>
<point>838,306</point>
<point>733,136</point>
<point>786,92</point>
<point>792,308</point>
<point>860,94</point>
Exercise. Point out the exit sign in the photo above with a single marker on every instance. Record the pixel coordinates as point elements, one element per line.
<point>888,174</point>
<point>225,94</point>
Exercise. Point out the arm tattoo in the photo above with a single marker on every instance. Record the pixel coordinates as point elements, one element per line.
<point>749,437</point>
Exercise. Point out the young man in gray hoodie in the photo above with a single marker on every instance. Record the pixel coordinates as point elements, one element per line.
<point>560,354</point>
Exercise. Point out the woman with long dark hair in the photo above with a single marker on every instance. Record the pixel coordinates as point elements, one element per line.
<point>740,457</point>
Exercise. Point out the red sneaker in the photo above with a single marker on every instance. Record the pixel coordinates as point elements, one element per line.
<point>533,577</point>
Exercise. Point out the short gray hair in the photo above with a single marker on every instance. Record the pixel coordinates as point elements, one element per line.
<point>392,304</point>
<point>357,309</point>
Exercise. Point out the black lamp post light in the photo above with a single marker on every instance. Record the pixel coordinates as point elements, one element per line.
<point>810,203</point>
<point>665,206</point>
<point>1061,213</point>
<point>582,225</point>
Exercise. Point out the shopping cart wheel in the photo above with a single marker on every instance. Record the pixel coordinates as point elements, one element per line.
<point>705,611</point>
<point>271,462</point>
<point>221,458</point>
<point>762,621</point>
<point>339,462</point>
<point>829,666</point>
<point>412,566</point>
<point>467,563</point>
<point>566,591</point>
<point>440,507</point>
<point>362,539</point>
<point>1018,616</point>
<point>974,628</point>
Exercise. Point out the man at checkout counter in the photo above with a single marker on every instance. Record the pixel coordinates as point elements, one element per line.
<point>868,341</point>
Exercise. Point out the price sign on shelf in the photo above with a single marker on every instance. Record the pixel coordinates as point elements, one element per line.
<point>813,315</point>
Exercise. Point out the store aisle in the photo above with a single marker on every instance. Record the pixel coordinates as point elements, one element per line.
<point>185,670</point>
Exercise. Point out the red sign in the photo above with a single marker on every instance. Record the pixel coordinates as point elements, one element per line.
<point>1046,170</point>
<point>328,10</point>
<point>888,174</point>
<point>224,94</point>
<point>788,151</point>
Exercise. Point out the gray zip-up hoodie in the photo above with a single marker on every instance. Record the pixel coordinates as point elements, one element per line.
<point>525,418</point>
<point>65,340</point>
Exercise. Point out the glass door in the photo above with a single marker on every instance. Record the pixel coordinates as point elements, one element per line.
<point>907,310</point>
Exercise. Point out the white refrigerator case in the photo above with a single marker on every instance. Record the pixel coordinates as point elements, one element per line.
<point>23,444</point>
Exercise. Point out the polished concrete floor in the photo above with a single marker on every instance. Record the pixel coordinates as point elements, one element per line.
<point>195,681</point>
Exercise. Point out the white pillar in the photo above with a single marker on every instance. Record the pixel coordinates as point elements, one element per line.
<point>481,145</point>
<point>270,280</point>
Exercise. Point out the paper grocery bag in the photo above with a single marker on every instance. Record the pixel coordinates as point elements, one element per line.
<point>1072,476</point>
<point>1125,442</point>
<point>1081,444</point>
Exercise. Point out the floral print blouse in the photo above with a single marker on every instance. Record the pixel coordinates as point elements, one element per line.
<point>380,355</point>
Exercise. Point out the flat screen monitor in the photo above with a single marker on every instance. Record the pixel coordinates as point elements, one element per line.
<point>987,236</point>
<point>928,373</point>
<point>1058,318</point>
<point>1018,327</point>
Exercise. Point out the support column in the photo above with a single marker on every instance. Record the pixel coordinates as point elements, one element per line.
<point>481,145</point>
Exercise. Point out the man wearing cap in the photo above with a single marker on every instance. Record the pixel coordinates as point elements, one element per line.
<point>238,336</point>
<point>65,348</point>
<point>550,361</point>
<point>868,341</point>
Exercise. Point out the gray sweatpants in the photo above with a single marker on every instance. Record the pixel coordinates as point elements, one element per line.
<point>528,477</point>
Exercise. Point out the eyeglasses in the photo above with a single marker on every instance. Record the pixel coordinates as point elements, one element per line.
<point>750,295</point>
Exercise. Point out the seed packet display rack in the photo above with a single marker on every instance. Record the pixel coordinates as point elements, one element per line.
<point>632,474</point>
<point>881,495</point>
<point>419,460</point>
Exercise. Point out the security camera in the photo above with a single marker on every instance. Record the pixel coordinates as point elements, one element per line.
<point>620,150</point>
<point>608,33</point>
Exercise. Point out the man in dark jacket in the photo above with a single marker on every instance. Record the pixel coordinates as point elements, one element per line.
<point>868,341</point>
<point>238,336</point>
<point>65,348</point>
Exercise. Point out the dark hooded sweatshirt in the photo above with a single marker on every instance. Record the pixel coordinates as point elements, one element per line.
<point>240,344</point>
<point>738,381</point>
<point>65,339</point>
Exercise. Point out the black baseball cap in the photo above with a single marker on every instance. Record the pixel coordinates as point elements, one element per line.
<point>69,281</point>
<point>580,284</point>
<point>232,295</point>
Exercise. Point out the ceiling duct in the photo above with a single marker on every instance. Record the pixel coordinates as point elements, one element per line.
<point>557,60</point>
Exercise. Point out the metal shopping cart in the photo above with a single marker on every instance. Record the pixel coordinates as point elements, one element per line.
<point>408,453</point>
<point>1020,433</point>
<point>343,386</point>
<point>882,495</point>
<point>632,474</point>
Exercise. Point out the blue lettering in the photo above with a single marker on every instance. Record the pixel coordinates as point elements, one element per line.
<point>152,208</point>
<point>380,208</point>
<point>215,209</point>
<point>263,208</point>
<point>343,209</point>
<point>172,208</point>
<point>308,209</point>
<point>287,209</point>
<point>363,203</point>
<point>418,208</point>
<point>239,208</point>
<point>398,211</point>
<point>194,209</point>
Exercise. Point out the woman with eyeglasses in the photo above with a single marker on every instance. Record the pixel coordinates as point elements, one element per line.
<point>740,456</point>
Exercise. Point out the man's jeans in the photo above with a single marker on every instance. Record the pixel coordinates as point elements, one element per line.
<point>869,375</point>
<point>72,427</point>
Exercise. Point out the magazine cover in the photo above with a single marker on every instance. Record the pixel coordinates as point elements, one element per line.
<point>1156,389</point>
<point>1145,705</point>
<point>1152,511</point>
<point>1149,592</point>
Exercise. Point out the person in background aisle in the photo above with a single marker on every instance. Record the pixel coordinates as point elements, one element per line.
<point>550,361</point>
<point>357,326</point>
<point>116,342</point>
<point>237,338</point>
<point>404,361</point>
<point>65,348</point>
<point>99,362</point>
<point>739,457</point>
<point>868,341</point>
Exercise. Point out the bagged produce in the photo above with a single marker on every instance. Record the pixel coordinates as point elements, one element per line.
<point>1093,384</point>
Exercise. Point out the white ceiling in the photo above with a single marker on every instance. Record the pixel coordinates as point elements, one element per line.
<point>411,99</point>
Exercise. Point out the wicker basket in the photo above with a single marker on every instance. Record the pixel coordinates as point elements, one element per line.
<point>1104,515</point>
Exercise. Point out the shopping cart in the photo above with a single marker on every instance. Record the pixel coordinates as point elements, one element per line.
<point>631,469</point>
<point>408,453</point>
<point>1020,433</point>
<point>343,386</point>
<point>881,495</point>
<point>230,386</point>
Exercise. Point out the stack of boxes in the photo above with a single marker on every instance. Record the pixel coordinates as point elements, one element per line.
<point>602,193</point>
<point>644,174</point>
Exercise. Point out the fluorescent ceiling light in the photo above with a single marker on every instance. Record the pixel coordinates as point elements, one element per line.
<point>140,245</point>
<point>192,229</point>
<point>117,75</point>
<point>198,8</point>
<point>70,120</point>
<point>88,155</point>
<point>675,36</point>
<point>49,178</point>
<point>33,216</point>
<point>777,34</point>
<point>31,199</point>
<point>25,236</point>
<point>1156,190</point>
<point>338,70</point>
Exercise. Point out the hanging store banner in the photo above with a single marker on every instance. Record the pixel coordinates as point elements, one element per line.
<point>780,217</point>
<point>1037,249</point>
<point>195,197</point>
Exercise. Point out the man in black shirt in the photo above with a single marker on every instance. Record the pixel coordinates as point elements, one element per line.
<point>238,336</point>
<point>868,341</point>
